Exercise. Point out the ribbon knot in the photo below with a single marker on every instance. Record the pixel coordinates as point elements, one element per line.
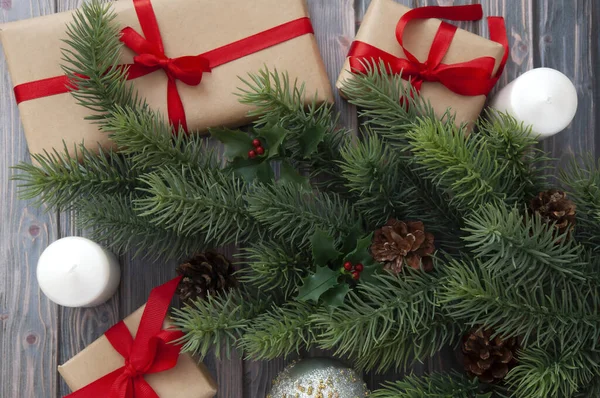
<point>475,77</point>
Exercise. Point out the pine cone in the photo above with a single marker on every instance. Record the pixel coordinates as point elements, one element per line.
<point>554,206</point>
<point>489,360</point>
<point>206,273</point>
<point>397,243</point>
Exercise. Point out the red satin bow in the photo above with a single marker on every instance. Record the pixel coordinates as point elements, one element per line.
<point>151,351</point>
<point>475,77</point>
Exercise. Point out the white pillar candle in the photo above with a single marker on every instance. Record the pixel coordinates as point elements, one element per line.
<point>543,97</point>
<point>76,272</point>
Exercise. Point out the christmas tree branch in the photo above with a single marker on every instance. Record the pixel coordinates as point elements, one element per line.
<point>435,385</point>
<point>564,311</point>
<point>289,211</point>
<point>275,267</point>
<point>279,332</point>
<point>60,178</point>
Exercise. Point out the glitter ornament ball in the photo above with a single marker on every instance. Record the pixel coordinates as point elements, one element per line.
<point>318,377</point>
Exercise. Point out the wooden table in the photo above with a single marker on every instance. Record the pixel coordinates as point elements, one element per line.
<point>37,335</point>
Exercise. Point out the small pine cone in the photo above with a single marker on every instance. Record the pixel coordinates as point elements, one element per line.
<point>554,207</point>
<point>398,243</point>
<point>488,359</point>
<point>205,274</point>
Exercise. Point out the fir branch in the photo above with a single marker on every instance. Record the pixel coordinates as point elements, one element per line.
<point>58,179</point>
<point>435,385</point>
<point>521,248</point>
<point>279,332</point>
<point>274,267</point>
<point>389,104</point>
<point>115,222</point>
<point>549,374</point>
<point>217,322</point>
<point>92,62</point>
<point>567,312</point>
<point>463,165</point>
<point>194,201</point>
<point>514,146</point>
<point>399,315</point>
<point>290,212</point>
<point>149,140</point>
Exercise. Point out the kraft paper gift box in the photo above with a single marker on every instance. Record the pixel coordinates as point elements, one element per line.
<point>187,27</point>
<point>188,379</point>
<point>378,29</point>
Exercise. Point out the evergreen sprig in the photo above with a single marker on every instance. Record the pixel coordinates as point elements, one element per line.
<point>435,385</point>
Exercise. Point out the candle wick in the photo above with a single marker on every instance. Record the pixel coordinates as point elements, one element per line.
<point>72,269</point>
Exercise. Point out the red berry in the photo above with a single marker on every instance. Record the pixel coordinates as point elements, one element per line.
<point>359,267</point>
<point>260,150</point>
<point>347,265</point>
<point>251,154</point>
<point>355,275</point>
<point>256,143</point>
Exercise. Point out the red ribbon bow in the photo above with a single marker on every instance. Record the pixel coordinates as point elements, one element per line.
<point>475,77</point>
<point>188,69</point>
<point>151,351</point>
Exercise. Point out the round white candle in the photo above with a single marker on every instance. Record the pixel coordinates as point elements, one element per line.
<point>543,97</point>
<point>76,272</point>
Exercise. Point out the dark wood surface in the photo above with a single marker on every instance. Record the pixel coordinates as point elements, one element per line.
<point>36,335</point>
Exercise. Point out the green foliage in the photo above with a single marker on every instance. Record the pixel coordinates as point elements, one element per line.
<point>275,268</point>
<point>435,385</point>
<point>60,178</point>
<point>279,332</point>
<point>549,374</point>
<point>521,248</point>
<point>217,322</point>
<point>565,312</point>
<point>290,212</point>
<point>389,322</point>
<point>195,201</point>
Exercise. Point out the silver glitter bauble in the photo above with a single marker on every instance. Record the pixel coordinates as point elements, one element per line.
<point>318,378</point>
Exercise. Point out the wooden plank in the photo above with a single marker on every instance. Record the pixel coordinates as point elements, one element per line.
<point>28,338</point>
<point>566,42</point>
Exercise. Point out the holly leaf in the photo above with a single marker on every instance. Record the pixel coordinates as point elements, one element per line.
<point>323,248</point>
<point>335,296</point>
<point>253,169</point>
<point>317,283</point>
<point>310,139</point>
<point>361,253</point>
<point>351,239</point>
<point>237,143</point>
<point>369,272</point>
<point>288,174</point>
<point>273,136</point>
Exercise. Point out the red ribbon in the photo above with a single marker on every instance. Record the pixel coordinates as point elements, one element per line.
<point>189,69</point>
<point>475,77</point>
<point>151,351</point>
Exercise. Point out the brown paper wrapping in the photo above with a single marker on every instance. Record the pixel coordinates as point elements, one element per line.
<point>188,27</point>
<point>379,29</point>
<point>188,379</point>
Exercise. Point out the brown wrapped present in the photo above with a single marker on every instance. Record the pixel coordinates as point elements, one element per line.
<point>456,70</point>
<point>98,361</point>
<point>187,28</point>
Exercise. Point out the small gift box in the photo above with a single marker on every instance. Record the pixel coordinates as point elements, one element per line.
<point>138,357</point>
<point>450,67</point>
<point>218,40</point>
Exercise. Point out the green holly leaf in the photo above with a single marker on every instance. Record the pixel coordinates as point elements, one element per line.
<point>351,239</point>
<point>318,283</point>
<point>273,136</point>
<point>288,174</point>
<point>310,139</point>
<point>361,253</point>
<point>370,271</point>
<point>253,169</point>
<point>237,143</point>
<point>323,248</point>
<point>335,296</point>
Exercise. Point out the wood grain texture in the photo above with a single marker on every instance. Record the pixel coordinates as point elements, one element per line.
<point>37,335</point>
<point>29,329</point>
